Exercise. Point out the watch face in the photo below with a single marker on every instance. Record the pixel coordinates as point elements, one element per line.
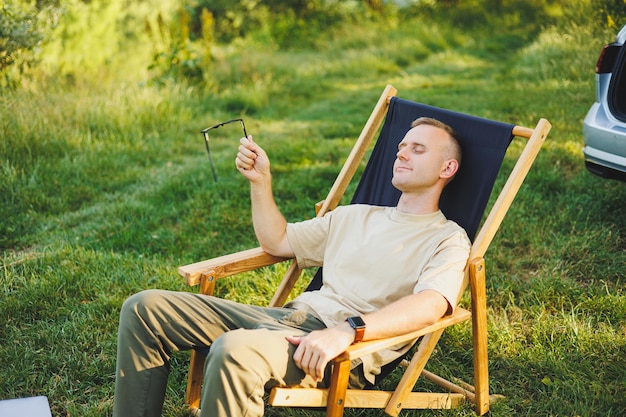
<point>356,322</point>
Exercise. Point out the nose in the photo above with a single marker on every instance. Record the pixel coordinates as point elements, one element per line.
<point>401,154</point>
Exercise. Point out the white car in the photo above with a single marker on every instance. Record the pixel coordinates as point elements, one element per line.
<point>604,128</point>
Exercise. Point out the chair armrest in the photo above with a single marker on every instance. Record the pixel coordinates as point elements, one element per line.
<point>360,349</point>
<point>228,265</point>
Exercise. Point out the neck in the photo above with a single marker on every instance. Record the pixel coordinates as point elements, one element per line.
<point>413,203</point>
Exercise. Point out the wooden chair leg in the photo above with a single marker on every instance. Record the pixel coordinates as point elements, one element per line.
<point>413,371</point>
<point>479,333</point>
<point>196,363</point>
<point>338,388</point>
<point>194,380</point>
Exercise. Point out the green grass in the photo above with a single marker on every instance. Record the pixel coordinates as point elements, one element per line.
<point>106,189</point>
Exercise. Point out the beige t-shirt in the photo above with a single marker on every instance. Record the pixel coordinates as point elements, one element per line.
<point>373,256</point>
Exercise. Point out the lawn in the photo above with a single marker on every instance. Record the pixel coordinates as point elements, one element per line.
<point>106,189</point>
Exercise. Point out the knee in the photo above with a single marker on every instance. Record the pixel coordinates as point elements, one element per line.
<point>246,353</point>
<point>234,346</point>
<point>139,306</point>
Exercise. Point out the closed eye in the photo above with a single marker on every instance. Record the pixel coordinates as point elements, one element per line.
<point>414,147</point>
<point>417,148</point>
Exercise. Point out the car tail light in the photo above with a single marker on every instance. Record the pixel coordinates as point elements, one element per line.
<point>607,58</point>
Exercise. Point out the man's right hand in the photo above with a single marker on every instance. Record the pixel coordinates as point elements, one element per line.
<point>252,161</point>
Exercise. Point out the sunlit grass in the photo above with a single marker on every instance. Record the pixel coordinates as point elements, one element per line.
<point>106,189</point>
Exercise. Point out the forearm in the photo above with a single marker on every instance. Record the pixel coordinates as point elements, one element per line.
<point>270,225</point>
<point>406,315</point>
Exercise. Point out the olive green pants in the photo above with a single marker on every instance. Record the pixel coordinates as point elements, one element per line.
<point>248,351</point>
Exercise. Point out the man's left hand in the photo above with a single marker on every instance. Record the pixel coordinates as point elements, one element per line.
<point>319,347</point>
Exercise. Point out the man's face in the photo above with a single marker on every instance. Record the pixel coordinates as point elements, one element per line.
<point>422,159</point>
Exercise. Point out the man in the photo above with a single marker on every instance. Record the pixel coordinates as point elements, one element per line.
<point>387,271</point>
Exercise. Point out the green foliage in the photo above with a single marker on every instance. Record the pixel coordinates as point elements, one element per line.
<point>504,24</point>
<point>184,45</point>
<point>17,32</point>
<point>176,55</point>
<point>105,189</point>
<point>611,13</point>
<point>289,23</point>
<point>174,41</point>
<point>88,37</point>
<point>23,27</point>
<point>101,38</point>
<point>299,22</point>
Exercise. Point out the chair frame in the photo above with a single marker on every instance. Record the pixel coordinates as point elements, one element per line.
<point>338,396</point>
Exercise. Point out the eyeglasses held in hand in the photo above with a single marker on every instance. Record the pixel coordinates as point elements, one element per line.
<point>205,132</point>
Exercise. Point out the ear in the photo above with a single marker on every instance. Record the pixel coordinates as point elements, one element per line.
<point>450,168</point>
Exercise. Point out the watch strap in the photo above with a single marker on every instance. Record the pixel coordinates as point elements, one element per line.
<point>358,325</point>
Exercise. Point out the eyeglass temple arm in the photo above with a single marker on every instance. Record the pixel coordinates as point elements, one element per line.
<point>244,129</point>
<point>208,150</point>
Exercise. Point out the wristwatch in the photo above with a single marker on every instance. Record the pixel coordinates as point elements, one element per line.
<point>358,325</point>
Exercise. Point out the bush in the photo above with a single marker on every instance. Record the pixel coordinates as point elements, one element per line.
<point>290,22</point>
<point>610,12</point>
<point>23,27</point>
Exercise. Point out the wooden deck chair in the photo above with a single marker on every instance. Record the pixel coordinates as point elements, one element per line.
<point>484,144</point>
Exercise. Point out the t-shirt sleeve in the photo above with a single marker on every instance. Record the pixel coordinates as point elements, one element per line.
<point>309,238</point>
<point>446,270</point>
